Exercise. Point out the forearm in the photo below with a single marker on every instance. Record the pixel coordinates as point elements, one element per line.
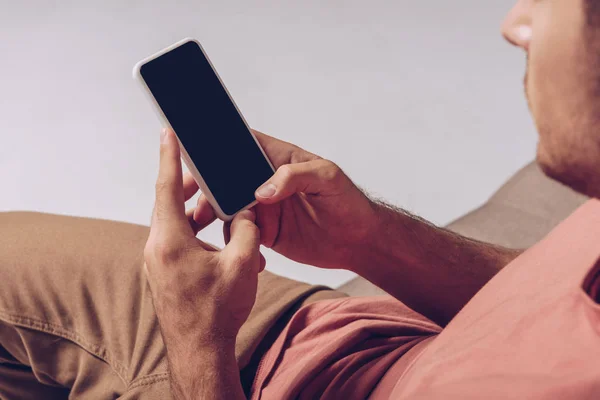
<point>432,270</point>
<point>205,373</point>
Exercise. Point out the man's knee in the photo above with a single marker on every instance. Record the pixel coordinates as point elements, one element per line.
<point>45,255</point>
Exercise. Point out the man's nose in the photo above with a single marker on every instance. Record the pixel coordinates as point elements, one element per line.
<point>516,27</point>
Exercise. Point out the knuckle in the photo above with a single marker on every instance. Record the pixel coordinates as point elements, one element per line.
<point>286,172</point>
<point>240,259</point>
<point>331,171</point>
<point>166,253</point>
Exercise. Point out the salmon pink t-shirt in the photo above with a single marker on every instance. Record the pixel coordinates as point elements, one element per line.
<point>532,332</point>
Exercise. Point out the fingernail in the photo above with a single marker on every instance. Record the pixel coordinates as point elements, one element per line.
<point>524,32</point>
<point>163,135</point>
<point>267,190</point>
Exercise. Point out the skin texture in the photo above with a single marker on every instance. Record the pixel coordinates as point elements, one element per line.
<point>313,213</point>
<point>316,215</point>
<point>202,295</point>
<point>559,37</point>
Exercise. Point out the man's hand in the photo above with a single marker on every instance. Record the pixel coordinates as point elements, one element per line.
<point>314,214</point>
<point>309,211</point>
<point>202,296</point>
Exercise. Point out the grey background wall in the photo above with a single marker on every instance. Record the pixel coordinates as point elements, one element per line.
<point>419,102</point>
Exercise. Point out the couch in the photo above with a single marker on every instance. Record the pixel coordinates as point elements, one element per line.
<point>518,215</point>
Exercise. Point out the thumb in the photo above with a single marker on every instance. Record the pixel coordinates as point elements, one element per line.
<point>244,242</point>
<point>311,177</point>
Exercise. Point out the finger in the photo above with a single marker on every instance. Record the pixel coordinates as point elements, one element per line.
<point>190,217</point>
<point>268,220</point>
<point>263,263</point>
<point>190,187</point>
<point>281,152</point>
<point>204,214</point>
<point>312,177</point>
<point>197,226</point>
<point>169,209</point>
<point>227,232</point>
<point>244,240</point>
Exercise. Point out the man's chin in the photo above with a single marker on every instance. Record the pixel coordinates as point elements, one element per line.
<point>558,169</point>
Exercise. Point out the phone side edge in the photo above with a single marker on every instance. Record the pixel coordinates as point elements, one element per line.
<point>165,122</point>
<point>241,116</point>
<point>233,102</point>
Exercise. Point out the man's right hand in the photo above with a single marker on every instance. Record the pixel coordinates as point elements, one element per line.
<point>317,216</point>
<point>309,211</point>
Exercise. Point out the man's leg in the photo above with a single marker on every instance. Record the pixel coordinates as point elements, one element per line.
<point>74,307</point>
<point>76,311</point>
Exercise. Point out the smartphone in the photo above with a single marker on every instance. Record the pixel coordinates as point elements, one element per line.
<point>216,143</point>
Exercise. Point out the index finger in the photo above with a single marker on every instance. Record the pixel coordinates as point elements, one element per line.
<point>280,152</point>
<point>169,209</point>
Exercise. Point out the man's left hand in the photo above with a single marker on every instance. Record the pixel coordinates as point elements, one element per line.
<point>202,295</point>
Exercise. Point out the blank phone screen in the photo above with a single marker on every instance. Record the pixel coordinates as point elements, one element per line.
<point>208,125</point>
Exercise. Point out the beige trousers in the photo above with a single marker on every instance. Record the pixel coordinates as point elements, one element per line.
<point>76,316</point>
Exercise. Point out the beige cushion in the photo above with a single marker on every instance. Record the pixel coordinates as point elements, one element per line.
<point>518,215</point>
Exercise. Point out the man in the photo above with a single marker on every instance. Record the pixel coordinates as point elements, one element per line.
<point>473,321</point>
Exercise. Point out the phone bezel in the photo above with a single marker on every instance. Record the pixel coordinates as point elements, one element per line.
<point>184,154</point>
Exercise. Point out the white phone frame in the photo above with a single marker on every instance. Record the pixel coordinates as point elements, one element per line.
<point>184,154</point>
